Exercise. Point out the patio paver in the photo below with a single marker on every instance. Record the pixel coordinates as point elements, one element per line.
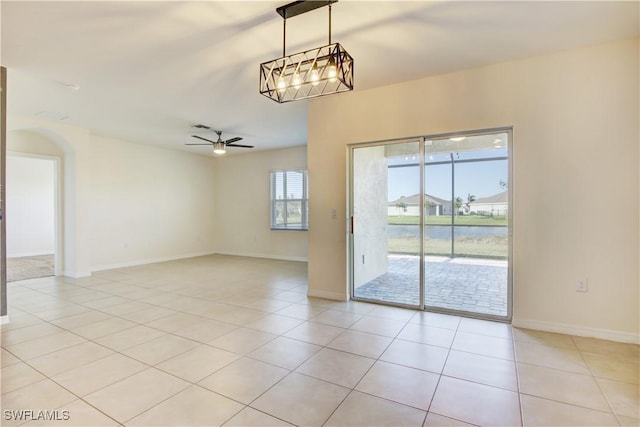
<point>469,284</point>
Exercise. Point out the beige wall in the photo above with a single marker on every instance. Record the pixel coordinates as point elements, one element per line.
<point>123,203</point>
<point>242,193</point>
<point>26,142</point>
<point>148,204</point>
<point>575,118</point>
<point>128,204</point>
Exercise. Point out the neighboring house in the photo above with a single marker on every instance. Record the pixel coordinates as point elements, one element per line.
<point>490,206</point>
<point>410,206</point>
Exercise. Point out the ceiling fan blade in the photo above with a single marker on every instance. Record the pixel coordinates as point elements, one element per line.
<point>204,139</point>
<point>197,144</point>
<point>232,140</point>
<point>241,146</point>
<point>200,126</point>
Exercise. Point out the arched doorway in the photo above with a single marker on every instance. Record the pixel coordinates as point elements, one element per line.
<point>51,151</point>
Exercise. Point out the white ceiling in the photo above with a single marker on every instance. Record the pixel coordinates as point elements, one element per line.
<point>148,71</point>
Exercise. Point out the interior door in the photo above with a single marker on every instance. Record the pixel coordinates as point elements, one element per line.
<point>386,232</point>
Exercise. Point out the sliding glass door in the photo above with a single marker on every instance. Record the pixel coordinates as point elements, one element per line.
<point>385,223</point>
<point>430,223</point>
<point>466,224</point>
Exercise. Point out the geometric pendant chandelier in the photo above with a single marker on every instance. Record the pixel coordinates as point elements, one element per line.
<point>316,72</point>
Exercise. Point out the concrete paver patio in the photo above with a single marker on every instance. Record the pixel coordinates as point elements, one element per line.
<point>468,284</point>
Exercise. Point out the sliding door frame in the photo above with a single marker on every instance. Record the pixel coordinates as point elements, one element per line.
<point>421,139</point>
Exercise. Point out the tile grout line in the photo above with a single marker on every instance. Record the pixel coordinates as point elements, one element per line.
<point>606,397</point>
<point>435,390</point>
<point>311,319</point>
<point>517,370</point>
<point>47,377</point>
<point>352,389</point>
<point>590,374</point>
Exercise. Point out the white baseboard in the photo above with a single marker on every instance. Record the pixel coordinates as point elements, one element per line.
<point>266,256</point>
<point>336,296</point>
<point>581,331</point>
<point>76,274</point>
<point>151,261</point>
<point>4,319</point>
<point>186,256</point>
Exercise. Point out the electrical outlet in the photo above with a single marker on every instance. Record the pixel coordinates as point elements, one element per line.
<point>581,285</point>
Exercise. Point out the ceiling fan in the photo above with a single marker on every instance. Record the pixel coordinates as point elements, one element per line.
<point>219,146</point>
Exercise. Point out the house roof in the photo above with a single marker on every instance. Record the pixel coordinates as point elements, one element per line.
<point>496,198</point>
<point>415,200</point>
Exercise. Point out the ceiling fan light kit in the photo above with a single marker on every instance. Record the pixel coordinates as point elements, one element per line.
<point>321,71</point>
<point>219,146</point>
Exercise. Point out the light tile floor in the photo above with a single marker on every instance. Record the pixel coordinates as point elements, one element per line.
<point>234,341</point>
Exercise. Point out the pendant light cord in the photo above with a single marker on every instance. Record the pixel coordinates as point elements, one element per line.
<point>284,37</point>
<point>329,23</point>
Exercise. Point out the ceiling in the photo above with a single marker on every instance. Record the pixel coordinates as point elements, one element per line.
<point>148,71</point>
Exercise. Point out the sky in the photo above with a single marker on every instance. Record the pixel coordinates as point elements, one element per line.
<point>482,179</point>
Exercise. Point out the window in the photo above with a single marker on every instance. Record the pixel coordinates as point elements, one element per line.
<point>289,200</point>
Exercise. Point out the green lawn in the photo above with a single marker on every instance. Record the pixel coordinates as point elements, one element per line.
<point>490,247</point>
<point>445,220</point>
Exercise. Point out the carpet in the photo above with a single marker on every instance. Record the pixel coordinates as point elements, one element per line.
<point>31,267</point>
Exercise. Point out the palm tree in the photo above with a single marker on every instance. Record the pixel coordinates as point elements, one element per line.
<point>458,204</point>
<point>470,199</point>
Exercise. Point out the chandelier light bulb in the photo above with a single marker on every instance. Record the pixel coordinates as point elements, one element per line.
<point>332,71</point>
<point>297,81</point>
<point>282,84</point>
<point>314,76</point>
